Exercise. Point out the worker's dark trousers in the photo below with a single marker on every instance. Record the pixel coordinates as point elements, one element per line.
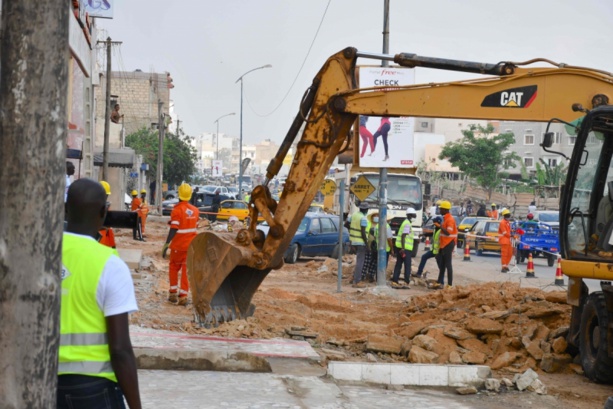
<point>398,267</point>
<point>88,392</point>
<point>360,252</point>
<point>444,262</point>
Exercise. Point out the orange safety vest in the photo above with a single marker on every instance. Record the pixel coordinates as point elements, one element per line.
<point>451,228</point>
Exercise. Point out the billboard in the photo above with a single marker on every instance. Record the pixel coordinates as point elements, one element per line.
<point>217,168</point>
<point>386,142</point>
<point>98,8</point>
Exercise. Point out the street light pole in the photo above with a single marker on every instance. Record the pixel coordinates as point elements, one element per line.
<point>240,148</point>
<point>217,134</point>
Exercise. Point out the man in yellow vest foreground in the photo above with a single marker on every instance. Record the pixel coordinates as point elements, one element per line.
<point>436,221</point>
<point>96,360</point>
<point>404,248</point>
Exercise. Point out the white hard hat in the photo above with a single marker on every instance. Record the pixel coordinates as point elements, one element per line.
<point>410,210</point>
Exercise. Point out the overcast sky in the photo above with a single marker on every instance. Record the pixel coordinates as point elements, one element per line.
<point>207,45</point>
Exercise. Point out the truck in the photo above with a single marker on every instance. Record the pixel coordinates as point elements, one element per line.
<point>538,239</point>
<point>226,269</point>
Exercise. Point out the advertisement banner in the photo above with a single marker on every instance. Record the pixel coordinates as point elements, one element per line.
<point>217,169</point>
<point>99,8</point>
<point>386,142</point>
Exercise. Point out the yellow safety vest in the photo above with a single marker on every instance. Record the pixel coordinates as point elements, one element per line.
<point>84,348</point>
<point>355,230</point>
<point>387,244</point>
<point>436,242</point>
<point>408,240</point>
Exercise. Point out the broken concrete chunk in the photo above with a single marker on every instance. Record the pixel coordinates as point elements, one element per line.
<point>559,345</point>
<point>474,357</point>
<point>507,382</point>
<point>419,355</point>
<point>526,379</point>
<point>470,390</point>
<point>425,342</point>
<point>385,344</point>
<point>537,387</point>
<point>483,326</point>
<point>492,384</point>
<point>457,333</point>
<point>455,358</point>
<point>505,359</point>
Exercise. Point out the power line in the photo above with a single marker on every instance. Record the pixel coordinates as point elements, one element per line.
<point>299,71</point>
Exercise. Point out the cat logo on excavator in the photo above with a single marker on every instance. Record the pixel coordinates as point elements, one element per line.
<point>521,97</point>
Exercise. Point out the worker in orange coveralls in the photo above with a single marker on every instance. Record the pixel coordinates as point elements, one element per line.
<point>135,205</point>
<point>506,249</point>
<point>107,236</point>
<point>143,211</point>
<point>183,221</point>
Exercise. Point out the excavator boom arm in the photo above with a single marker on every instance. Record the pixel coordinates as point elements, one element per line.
<point>225,270</point>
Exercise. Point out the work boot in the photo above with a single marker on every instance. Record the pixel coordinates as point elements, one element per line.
<point>182,301</point>
<point>359,284</point>
<point>172,297</point>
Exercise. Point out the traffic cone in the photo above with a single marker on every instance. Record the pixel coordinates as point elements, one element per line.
<point>427,246</point>
<point>466,251</point>
<point>530,268</point>
<point>559,276</point>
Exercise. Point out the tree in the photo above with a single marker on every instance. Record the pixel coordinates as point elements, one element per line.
<point>482,157</point>
<point>179,155</point>
<point>547,175</point>
<point>33,129</point>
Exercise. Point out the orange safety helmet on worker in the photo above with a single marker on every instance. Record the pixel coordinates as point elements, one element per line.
<point>506,248</point>
<point>183,222</point>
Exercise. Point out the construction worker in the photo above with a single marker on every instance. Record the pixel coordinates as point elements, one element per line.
<point>143,211</point>
<point>96,359</point>
<point>107,236</point>
<point>183,222</point>
<point>506,249</point>
<point>359,238</point>
<point>404,248</point>
<point>435,246</point>
<point>494,212</point>
<point>447,239</point>
<point>136,202</point>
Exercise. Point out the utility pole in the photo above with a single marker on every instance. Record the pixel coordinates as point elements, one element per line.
<point>381,250</point>
<point>107,114</point>
<point>160,167</point>
<point>33,88</point>
<point>178,122</point>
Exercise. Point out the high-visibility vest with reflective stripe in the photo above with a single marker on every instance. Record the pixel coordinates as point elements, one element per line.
<point>84,348</point>
<point>436,242</point>
<point>408,240</point>
<point>355,230</point>
<point>387,244</point>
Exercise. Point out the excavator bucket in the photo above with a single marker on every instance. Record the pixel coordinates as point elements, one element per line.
<point>221,282</point>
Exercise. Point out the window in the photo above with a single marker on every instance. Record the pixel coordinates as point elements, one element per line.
<point>424,124</point>
<point>572,140</point>
<point>528,139</point>
<point>315,226</point>
<point>552,162</point>
<point>529,162</point>
<point>327,226</point>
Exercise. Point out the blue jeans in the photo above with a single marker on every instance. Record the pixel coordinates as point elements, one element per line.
<point>88,392</point>
<point>422,264</point>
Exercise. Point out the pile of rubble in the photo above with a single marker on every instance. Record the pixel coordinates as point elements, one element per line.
<point>496,324</point>
<point>529,381</point>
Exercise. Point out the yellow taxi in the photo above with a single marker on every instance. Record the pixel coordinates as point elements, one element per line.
<point>465,225</point>
<point>238,208</point>
<point>483,236</point>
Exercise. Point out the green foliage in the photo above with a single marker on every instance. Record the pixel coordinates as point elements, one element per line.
<point>547,175</point>
<point>482,157</point>
<point>179,155</point>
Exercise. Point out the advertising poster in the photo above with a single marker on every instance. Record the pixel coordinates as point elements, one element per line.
<point>386,142</point>
<point>98,8</point>
<point>217,169</point>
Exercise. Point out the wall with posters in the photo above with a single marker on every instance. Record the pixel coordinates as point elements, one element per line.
<point>386,142</point>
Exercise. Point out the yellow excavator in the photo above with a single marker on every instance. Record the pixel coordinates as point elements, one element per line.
<point>226,269</point>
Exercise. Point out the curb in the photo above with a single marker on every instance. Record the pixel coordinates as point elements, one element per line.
<point>410,374</point>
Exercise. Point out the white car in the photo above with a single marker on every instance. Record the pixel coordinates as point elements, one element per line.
<point>550,217</point>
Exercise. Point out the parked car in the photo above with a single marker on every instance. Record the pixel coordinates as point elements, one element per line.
<point>317,236</point>
<point>168,205</point>
<point>316,208</point>
<point>170,194</point>
<point>465,226</point>
<point>483,236</point>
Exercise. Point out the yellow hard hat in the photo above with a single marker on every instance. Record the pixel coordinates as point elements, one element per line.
<point>134,193</point>
<point>445,204</point>
<point>505,212</point>
<point>185,192</point>
<point>106,186</point>
<point>493,204</point>
<point>143,191</point>
<point>438,202</point>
